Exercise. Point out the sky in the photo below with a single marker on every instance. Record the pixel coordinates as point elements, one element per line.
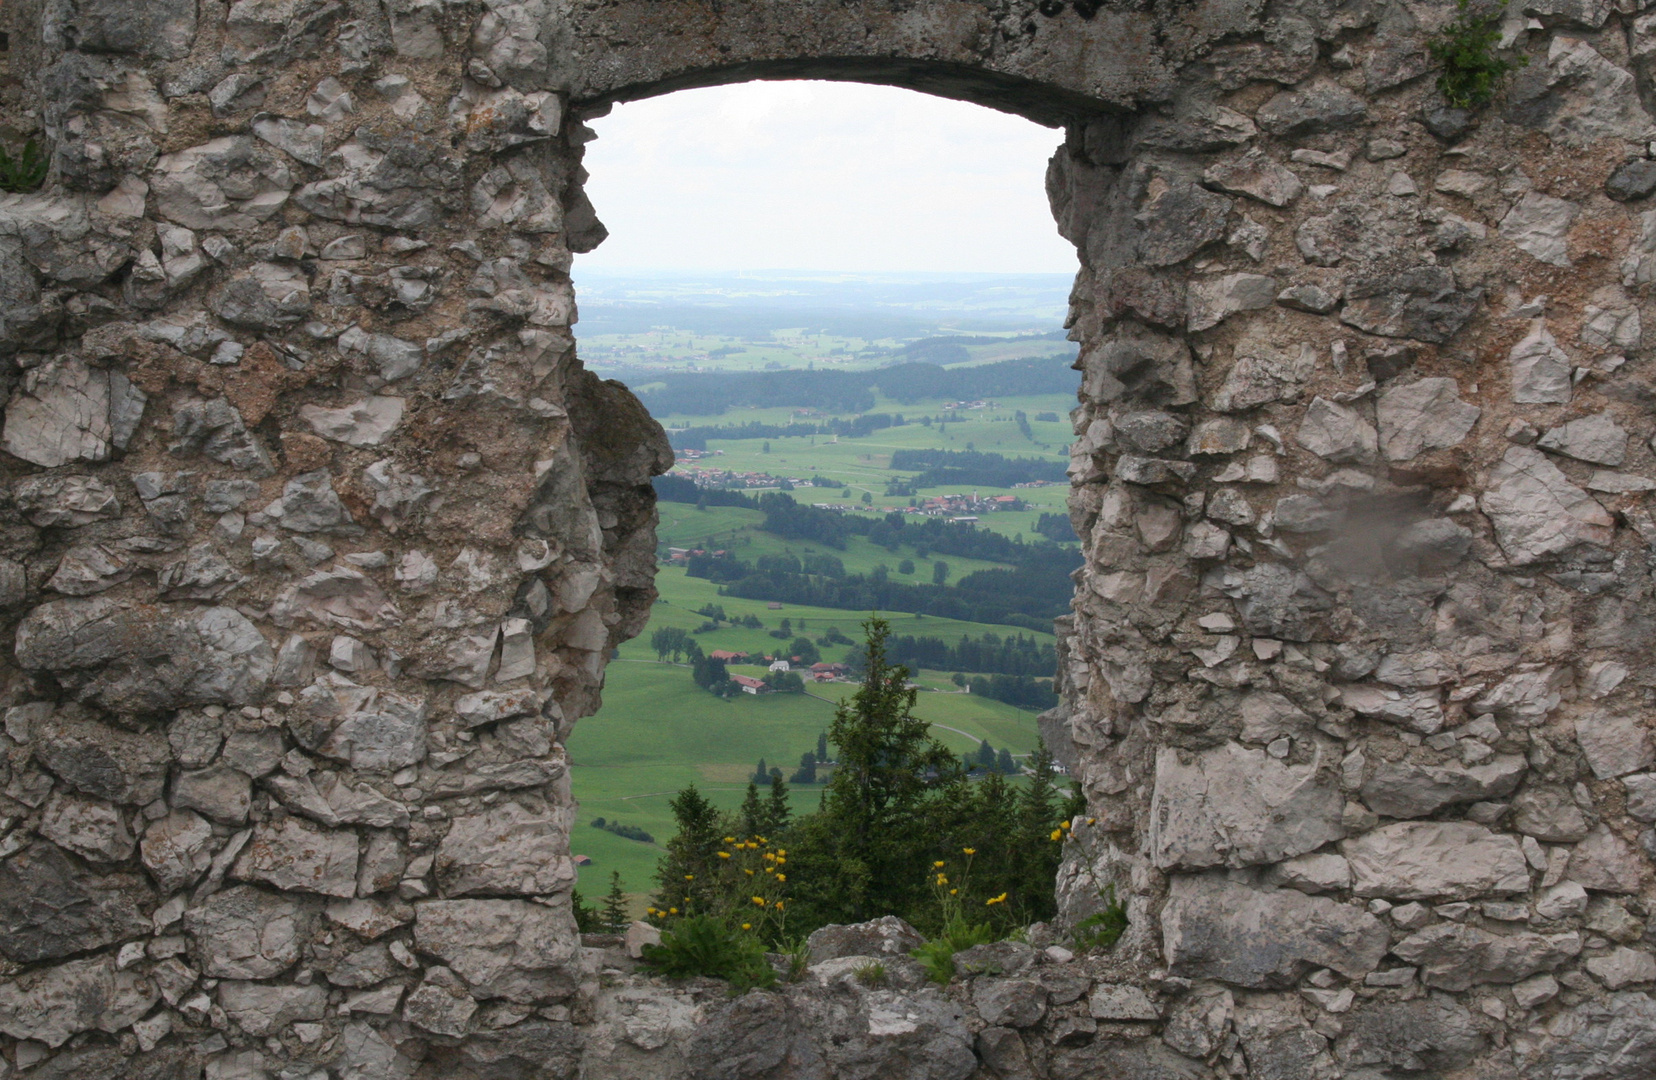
<point>821,176</point>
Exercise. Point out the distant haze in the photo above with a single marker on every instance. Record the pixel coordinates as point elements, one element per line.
<point>825,177</point>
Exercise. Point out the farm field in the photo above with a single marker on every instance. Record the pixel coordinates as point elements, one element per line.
<point>658,733</point>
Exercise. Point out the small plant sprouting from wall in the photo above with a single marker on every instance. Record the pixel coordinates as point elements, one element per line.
<point>26,171</point>
<point>1472,72</point>
<point>1102,929</point>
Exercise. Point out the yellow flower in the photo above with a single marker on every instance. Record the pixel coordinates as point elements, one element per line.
<point>938,864</point>
<point>954,892</point>
<point>1092,821</point>
<point>1057,834</point>
<point>970,850</point>
<point>689,877</point>
<point>730,839</point>
<point>780,862</point>
<point>781,851</point>
<point>760,900</point>
<point>672,911</point>
<point>749,873</point>
<point>942,879</point>
<point>779,905</point>
<point>993,900</point>
<point>747,926</point>
<point>724,854</point>
<point>781,877</point>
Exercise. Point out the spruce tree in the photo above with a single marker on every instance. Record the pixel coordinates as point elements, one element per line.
<point>777,811</point>
<point>1005,763</point>
<point>866,852</point>
<point>822,747</point>
<point>613,914</point>
<point>761,774</point>
<point>752,814</point>
<point>683,880</point>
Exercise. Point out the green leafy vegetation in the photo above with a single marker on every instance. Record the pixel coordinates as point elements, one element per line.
<point>1103,928</point>
<point>904,826</point>
<point>1472,71</point>
<point>25,172</point>
<point>872,974</point>
<point>707,946</point>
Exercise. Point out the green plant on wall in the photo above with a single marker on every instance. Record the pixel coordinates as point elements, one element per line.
<point>1466,48</point>
<point>25,172</point>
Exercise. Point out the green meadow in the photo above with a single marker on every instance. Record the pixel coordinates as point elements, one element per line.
<point>658,732</point>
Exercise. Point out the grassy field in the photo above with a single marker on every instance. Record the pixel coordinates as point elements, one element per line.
<point>658,733</point>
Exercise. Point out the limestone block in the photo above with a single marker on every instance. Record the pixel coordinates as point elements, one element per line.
<point>55,1003</point>
<point>1448,860</point>
<point>507,849</point>
<point>1218,929</point>
<point>1427,414</point>
<point>513,949</point>
<point>1607,863</point>
<point>122,766</point>
<point>65,411</point>
<point>1336,433</point>
<point>1539,224</point>
<point>1257,176</point>
<point>293,854</point>
<point>1548,812</point>
<point>1015,1003</point>
<point>367,422</point>
<point>91,828</point>
<point>1405,790</point>
<point>1457,956</point>
<point>1614,745</point>
<point>249,933</point>
<point>65,501</point>
<point>229,185</point>
<point>52,906</point>
<point>264,1009</point>
<point>177,849</point>
<point>1235,806</point>
<point>1596,438</point>
<point>1537,512</point>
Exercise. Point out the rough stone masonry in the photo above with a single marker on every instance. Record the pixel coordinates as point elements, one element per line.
<point>315,535</point>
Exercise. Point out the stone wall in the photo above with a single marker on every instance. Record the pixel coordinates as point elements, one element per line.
<point>315,536</point>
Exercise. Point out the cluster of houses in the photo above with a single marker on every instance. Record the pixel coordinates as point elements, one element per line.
<point>956,406</point>
<point>727,479</point>
<point>820,672</point>
<point>954,505</point>
<point>677,556</point>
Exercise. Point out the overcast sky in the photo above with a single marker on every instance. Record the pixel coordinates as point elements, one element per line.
<point>822,176</point>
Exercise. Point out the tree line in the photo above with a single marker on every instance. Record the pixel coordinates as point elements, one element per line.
<point>1029,597</point>
<point>711,393</point>
<point>975,468</point>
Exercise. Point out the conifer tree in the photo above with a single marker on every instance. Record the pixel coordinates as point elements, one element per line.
<point>613,914</point>
<point>752,814</point>
<point>682,877</point>
<point>777,811</point>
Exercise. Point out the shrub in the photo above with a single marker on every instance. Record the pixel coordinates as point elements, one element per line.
<point>870,974</point>
<point>1102,929</point>
<point>1466,49</point>
<point>26,171</point>
<point>937,955</point>
<point>703,945</point>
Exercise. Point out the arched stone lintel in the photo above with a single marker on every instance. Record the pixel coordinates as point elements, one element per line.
<point>1044,103</point>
